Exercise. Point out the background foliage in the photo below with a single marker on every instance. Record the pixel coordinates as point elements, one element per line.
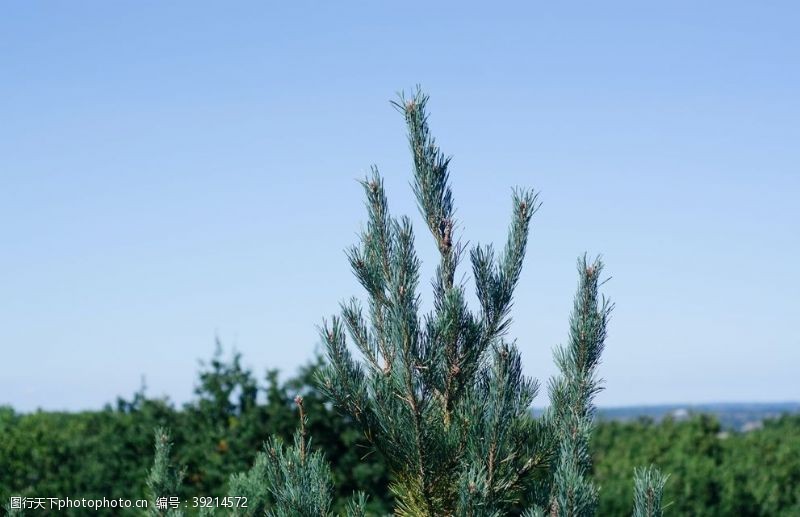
<point>108,453</point>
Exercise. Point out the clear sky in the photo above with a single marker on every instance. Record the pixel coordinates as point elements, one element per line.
<point>176,171</point>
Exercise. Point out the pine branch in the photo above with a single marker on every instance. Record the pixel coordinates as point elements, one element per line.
<point>495,281</point>
<point>571,395</point>
<point>648,491</point>
<point>251,486</point>
<point>357,505</point>
<point>371,262</point>
<point>431,181</point>
<point>499,428</point>
<point>163,481</point>
<point>299,479</point>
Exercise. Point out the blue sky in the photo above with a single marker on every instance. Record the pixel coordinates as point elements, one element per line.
<point>176,171</point>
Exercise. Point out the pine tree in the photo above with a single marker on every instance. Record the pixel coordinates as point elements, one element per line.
<point>442,395</point>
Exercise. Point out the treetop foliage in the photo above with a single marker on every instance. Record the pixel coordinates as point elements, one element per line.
<point>442,395</point>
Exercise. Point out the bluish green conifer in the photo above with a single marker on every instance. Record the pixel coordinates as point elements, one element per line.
<point>442,395</point>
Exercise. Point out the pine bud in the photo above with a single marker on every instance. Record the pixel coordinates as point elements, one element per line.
<point>446,229</point>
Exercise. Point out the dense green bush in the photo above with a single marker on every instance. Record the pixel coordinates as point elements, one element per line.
<point>87,454</point>
<point>711,472</point>
<point>108,453</point>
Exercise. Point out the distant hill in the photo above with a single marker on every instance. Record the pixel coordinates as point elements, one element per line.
<point>733,416</point>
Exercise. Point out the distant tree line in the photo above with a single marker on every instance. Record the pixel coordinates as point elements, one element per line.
<point>108,453</point>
